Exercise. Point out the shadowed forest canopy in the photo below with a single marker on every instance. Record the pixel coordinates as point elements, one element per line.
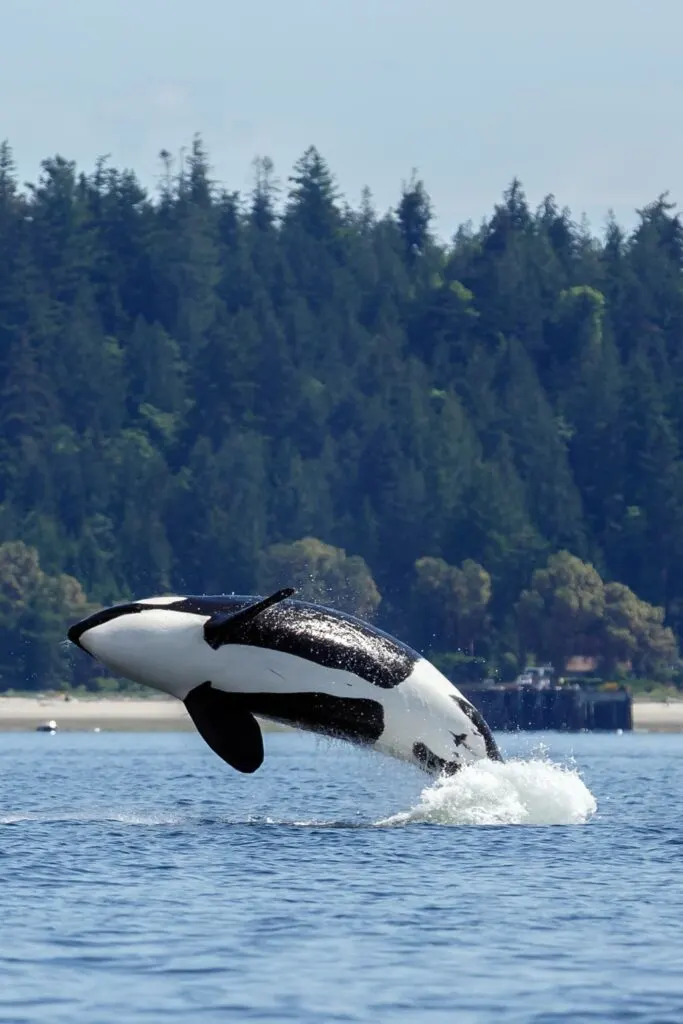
<point>203,391</point>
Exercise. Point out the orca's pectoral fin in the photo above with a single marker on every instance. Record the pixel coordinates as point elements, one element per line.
<point>232,732</point>
<point>223,626</point>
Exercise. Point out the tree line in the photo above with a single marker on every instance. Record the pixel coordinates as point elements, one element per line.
<point>204,391</point>
<point>566,609</point>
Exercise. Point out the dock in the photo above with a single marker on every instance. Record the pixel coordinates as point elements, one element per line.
<point>561,708</point>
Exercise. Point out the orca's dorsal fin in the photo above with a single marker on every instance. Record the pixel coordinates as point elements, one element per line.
<point>232,732</point>
<point>223,626</point>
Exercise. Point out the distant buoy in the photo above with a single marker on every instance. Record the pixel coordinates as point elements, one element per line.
<point>50,726</point>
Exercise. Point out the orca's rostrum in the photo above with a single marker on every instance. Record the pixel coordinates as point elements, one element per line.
<point>230,659</point>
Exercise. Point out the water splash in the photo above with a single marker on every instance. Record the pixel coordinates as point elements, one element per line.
<point>529,790</point>
<point>519,792</point>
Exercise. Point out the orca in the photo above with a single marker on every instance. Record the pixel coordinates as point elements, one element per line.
<point>233,658</point>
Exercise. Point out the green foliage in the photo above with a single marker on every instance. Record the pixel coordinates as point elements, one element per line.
<point>462,668</point>
<point>191,382</point>
<point>321,573</point>
<point>35,609</point>
<point>568,610</point>
<point>560,614</point>
<point>451,602</point>
<point>508,666</point>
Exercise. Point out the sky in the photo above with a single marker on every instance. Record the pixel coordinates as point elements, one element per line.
<point>581,99</point>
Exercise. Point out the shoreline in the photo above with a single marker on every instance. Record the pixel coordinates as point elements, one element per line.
<point>658,716</point>
<point>108,714</point>
<point>135,714</point>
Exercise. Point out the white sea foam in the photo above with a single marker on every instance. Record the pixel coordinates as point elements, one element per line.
<point>519,792</point>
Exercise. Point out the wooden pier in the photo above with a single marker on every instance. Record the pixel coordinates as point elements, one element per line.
<point>563,708</point>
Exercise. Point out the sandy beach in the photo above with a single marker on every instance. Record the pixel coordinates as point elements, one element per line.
<point>113,714</point>
<point>658,716</point>
<point>109,714</point>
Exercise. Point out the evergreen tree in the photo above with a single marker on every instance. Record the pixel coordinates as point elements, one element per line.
<point>414,215</point>
<point>194,380</point>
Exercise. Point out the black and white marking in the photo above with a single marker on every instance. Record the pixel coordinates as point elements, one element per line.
<point>231,658</point>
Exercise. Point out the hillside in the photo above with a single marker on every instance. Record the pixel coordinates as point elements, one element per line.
<point>193,381</point>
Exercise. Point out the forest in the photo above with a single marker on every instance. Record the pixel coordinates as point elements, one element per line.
<point>475,443</point>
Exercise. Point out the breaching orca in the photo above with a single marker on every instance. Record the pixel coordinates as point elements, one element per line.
<point>231,658</point>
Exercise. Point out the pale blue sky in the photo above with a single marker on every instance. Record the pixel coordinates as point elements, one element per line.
<point>582,99</point>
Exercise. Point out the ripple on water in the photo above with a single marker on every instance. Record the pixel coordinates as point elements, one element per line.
<point>324,888</point>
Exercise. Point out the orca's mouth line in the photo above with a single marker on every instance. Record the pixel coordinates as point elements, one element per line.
<point>76,631</point>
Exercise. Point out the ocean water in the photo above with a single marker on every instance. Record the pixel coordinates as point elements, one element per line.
<point>142,880</point>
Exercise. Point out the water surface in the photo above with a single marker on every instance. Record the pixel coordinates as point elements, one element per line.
<point>142,880</point>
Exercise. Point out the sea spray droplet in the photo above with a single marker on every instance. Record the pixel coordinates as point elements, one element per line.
<point>518,792</point>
